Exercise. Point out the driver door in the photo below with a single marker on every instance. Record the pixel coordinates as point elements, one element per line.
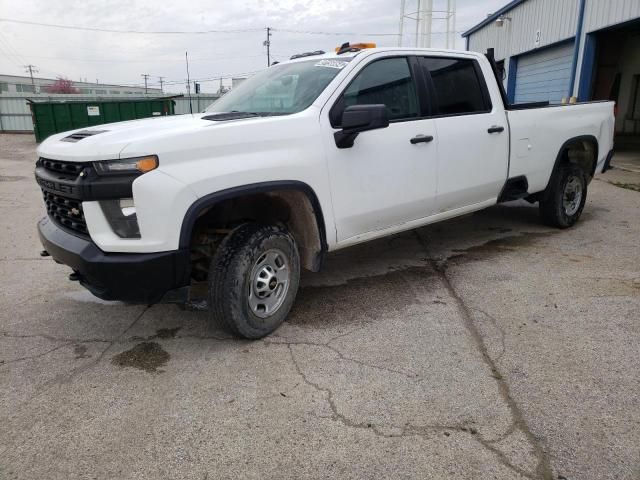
<point>388,178</point>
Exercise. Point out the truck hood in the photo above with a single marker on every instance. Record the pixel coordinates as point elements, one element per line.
<point>107,141</point>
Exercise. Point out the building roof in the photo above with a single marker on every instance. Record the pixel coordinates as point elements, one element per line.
<point>493,17</point>
<point>76,83</point>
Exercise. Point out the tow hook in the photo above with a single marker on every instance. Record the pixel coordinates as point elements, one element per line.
<point>74,276</point>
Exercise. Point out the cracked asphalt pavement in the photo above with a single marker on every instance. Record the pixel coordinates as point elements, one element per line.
<point>487,346</point>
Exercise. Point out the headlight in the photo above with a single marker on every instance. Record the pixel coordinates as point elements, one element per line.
<point>121,215</point>
<point>127,166</point>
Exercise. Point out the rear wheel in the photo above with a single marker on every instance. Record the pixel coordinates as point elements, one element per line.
<point>565,197</point>
<point>253,280</point>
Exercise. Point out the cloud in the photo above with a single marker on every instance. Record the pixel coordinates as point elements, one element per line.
<point>122,58</point>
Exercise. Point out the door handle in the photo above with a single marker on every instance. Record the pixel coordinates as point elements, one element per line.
<point>421,139</point>
<point>496,129</point>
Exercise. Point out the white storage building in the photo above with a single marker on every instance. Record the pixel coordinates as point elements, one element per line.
<point>548,50</point>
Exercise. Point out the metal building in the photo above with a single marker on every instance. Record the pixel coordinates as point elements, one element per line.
<point>10,84</point>
<point>549,50</point>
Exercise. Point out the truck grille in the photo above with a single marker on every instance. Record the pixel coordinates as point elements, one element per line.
<point>63,210</point>
<point>69,169</point>
<point>66,212</point>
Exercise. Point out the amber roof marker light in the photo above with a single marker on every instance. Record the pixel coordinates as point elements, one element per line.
<point>347,47</point>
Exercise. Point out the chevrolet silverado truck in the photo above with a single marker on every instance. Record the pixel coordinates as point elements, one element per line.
<point>306,157</point>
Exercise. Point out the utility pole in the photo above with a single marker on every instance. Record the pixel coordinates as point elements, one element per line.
<point>31,69</point>
<point>161,82</point>
<point>186,59</point>
<point>267,43</point>
<point>146,76</point>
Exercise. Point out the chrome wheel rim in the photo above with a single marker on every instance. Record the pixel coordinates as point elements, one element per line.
<point>269,283</point>
<point>572,195</point>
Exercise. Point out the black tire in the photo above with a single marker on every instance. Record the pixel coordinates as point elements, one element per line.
<point>231,282</point>
<point>553,209</point>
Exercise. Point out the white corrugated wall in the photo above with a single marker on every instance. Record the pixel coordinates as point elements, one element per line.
<point>604,13</point>
<point>556,19</point>
<point>599,14</point>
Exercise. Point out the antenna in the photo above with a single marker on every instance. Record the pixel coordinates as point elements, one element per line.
<point>186,57</point>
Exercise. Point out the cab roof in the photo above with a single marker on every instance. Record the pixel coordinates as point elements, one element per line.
<point>351,54</point>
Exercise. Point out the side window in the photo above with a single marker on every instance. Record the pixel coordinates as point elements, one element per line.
<point>387,81</point>
<point>458,88</point>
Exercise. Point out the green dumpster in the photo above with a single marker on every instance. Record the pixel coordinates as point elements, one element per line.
<point>50,117</point>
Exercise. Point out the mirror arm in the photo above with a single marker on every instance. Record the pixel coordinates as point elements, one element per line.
<point>345,139</point>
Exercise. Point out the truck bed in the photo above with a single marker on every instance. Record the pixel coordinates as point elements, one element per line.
<point>538,134</point>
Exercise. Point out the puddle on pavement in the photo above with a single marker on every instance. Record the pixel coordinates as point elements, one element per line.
<point>147,356</point>
<point>628,186</point>
<point>493,247</point>
<point>363,298</point>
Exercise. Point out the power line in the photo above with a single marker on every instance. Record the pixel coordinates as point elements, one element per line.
<point>346,34</point>
<point>140,32</point>
<point>308,32</point>
<point>11,50</point>
<point>197,32</point>
<point>212,79</point>
<point>149,60</point>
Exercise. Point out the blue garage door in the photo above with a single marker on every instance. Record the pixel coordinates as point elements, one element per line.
<point>544,76</point>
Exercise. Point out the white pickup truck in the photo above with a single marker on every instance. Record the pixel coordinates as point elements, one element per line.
<point>306,157</point>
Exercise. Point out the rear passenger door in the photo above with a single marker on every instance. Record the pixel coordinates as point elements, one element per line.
<point>473,138</point>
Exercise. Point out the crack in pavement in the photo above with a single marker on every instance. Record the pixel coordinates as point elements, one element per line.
<point>407,430</point>
<point>117,340</point>
<point>31,357</point>
<point>62,378</point>
<point>66,377</point>
<point>55,339</point>
<point>494,322</point>
<point>341,355</point>
<point>543,469</point>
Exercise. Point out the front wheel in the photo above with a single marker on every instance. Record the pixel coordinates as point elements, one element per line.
<point>254,279</point>
<point>564,200</point>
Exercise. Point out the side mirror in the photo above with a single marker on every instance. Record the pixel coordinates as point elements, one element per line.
<point>360,118</point>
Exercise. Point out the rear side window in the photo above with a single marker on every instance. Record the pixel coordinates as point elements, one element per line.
<point>388,82</point>
<point>458,89</point>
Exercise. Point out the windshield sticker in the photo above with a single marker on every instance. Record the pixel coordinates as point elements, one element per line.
<point>332,64</point>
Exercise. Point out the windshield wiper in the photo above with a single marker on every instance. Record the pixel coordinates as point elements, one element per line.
<point>233,115</point>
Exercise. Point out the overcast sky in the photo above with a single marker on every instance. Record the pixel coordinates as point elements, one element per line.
<point>122,57</point>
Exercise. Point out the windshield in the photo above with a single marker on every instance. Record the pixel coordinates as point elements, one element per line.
<point>280,89</point>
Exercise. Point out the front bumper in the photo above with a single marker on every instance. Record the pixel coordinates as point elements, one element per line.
<point>128,277</point>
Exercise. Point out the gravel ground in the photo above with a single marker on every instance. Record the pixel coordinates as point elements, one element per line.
<point>488,346</point>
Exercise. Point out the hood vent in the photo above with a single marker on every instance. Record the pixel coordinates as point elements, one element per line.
<point>76,137</point>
